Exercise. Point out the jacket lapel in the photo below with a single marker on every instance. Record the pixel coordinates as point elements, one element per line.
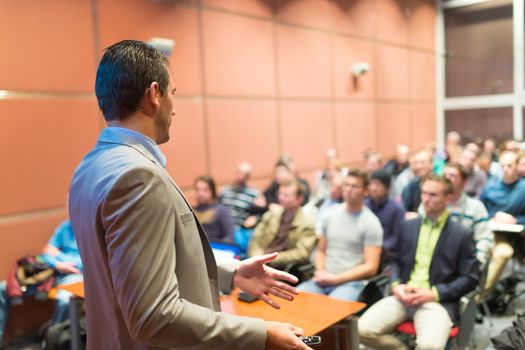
<point>414,239</point>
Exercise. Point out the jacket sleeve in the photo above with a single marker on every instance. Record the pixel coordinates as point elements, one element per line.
<point>138,215</point>
<point>467,274</point>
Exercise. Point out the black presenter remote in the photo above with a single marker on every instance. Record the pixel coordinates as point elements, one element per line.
<point>312,340</point>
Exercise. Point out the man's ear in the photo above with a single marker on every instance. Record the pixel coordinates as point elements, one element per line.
<point>153,94</point>
<point>150,102</point>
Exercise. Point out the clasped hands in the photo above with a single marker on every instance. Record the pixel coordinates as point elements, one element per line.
<point>412,296</point>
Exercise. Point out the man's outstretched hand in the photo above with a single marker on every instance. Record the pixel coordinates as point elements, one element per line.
<point>259,280</point>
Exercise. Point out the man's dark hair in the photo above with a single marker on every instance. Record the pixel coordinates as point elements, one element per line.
<point>360,174</point>
<point>208,180</point>
<point>437,178</point>
<point>125,71</point>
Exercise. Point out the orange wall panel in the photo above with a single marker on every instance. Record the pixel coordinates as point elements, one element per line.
<point>304,62</point>
<point>263,8</point>
<point>230,70</point>
<point>422,25</point>
<point>422,77</point>
<point>355,129</point>
<point>143,20</point>
<point>354,17</point>
<point>392,77</point>
<point>392,21</point>
<point>186,151</point>
<point>307,132</point>
<point>423,120</point>
<point>41,143</point>
<point>25,236</point>
<point>46,46</point>
<point>241,130</point>
<point>393,126</point>
<point>311,13</point>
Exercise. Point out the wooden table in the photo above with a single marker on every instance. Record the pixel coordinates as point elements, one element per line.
<point>312,312</point>
<point>77,289</point>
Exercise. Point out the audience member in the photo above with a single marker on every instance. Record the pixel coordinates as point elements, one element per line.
<point>504,200</point>
<point>489,146</point>
<point>452,143</point>
<point>469,212</point>
<point>521,164</point>
<point>399,163</point>
<point>284,170</point>
<point>62,255</point>
<point>215,218</point>
<point>321,208</point>
<point>285,229</point>
<point>402,180</point>
<point>476,177</point>
<point>372,161</point>
<point>324,178</point>
<point>434,268</point>
<point>390,214</point>
<point>239,197</point>
<point>411,195</point>
<point>349,247</point>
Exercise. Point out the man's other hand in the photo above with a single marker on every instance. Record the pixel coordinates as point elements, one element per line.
<point>259,280</point>
<point>284,336</point>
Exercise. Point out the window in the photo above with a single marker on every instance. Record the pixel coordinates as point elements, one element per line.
<point>478,46</point>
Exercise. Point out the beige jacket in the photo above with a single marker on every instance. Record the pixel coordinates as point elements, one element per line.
<point>301,237</point>
<point>150,276</point>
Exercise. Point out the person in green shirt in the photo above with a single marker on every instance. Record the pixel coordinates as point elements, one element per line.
<point>434,266</point>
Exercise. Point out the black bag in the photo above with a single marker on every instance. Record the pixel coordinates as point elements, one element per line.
<point>503,294</point>
<point>58,336</point>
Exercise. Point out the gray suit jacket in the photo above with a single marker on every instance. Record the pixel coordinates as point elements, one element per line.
<point>150,277</point>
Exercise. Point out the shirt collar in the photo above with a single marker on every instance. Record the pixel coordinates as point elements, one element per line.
<point>440,221</point>
<point>115,134</point>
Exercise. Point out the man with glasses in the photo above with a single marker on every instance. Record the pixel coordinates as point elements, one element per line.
<point>435,266</point>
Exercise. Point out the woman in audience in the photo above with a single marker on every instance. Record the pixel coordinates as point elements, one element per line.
<point>215,218</point>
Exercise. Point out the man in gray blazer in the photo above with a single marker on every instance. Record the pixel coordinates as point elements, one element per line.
<point>150,276</point>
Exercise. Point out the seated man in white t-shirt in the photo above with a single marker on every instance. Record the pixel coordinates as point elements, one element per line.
<point>349,247</point>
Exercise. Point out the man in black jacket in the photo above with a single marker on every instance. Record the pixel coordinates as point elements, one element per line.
<point>434,267</point>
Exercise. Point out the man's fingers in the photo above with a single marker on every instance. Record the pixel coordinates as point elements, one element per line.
<point>280,294</point>
<point>284,276</point>
<point>285,288</point>
<point>269,301</point>
<point>264,259</point>
<point>297,331</point>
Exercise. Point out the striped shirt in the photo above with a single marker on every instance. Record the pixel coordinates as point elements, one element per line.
<point>471,213</point>
<point>239,200</point>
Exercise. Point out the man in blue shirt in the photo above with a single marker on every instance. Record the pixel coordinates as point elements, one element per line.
<point>61,254</point>
<point>505,202</point>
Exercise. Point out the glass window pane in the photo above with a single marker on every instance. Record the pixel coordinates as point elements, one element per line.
<point>480,123</point>
<point>478,44</point>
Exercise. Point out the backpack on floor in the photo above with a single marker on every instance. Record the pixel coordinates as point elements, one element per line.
<point>58,336</point>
